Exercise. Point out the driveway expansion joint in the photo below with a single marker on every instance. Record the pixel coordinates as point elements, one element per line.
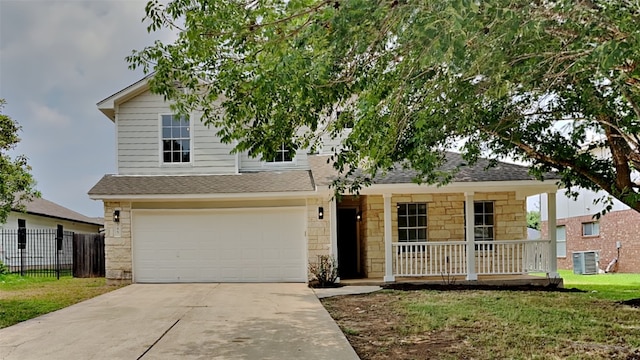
<point>157,340</point>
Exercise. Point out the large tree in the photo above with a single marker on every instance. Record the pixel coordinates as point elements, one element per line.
<point>554,83</point>
<point>16,183</point>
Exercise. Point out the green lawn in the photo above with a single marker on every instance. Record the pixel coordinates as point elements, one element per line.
<point>605,286</point>
<point>23,298</point>
<point>491,324</point>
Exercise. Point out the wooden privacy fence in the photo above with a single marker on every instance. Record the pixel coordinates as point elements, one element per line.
<point>88,255</point>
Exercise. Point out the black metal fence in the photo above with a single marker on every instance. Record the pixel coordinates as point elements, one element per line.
<point>37,252</point>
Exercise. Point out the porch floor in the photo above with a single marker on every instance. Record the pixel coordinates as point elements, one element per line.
<point>488,280</point>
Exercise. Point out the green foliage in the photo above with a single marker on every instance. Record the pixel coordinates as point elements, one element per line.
<point>550,83</point>
<point>324,271</point>
<point>3,268</point>
<point>16,183</point>
<point>533,219</point>
<point>23,298</point>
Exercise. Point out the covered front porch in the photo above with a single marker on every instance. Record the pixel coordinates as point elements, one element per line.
<point>418,234</point>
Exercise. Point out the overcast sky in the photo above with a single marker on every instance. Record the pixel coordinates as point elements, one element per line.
<point>57,60</point>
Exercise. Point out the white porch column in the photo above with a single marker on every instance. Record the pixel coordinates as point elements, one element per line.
<point>333,229</point>
<point>551,230</point>
<point>470,236</point>
<point>388,256</point>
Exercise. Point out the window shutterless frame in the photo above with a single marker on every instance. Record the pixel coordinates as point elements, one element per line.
<point>175,140</point>
<point>284,156</point>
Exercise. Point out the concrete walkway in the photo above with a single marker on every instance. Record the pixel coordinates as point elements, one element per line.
<point>184,321</point>
<point>345,290</point>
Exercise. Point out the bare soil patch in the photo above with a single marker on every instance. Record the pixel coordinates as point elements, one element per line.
<point>378,327</point>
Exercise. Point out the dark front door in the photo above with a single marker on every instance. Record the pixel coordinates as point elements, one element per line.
<point>347,243</point>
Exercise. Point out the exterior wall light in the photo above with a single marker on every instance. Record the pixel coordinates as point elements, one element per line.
<point>320,213</point>
<point>359,216</point>
<point>116,216</point>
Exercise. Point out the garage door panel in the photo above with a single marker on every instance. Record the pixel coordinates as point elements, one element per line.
<point>211,246</point>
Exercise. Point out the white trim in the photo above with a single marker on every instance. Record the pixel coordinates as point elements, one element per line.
<point>333,228</point>
<point>161,163</point>
<point>522,187</point>
<point>388,240</point>
<point>551,233</point>
<point>117,147</point>
<point>280,164</point>
<point>198,197</point>
<point>108,105</point>
<point>470,237</point>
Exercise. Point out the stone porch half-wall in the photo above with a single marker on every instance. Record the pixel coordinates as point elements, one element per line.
<point>117,243</point>
<point>445,222</point>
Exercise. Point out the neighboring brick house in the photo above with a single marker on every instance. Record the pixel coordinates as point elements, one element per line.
<point>578,230</point>
<point>183,208</point>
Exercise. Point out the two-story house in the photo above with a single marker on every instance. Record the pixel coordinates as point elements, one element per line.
<point>183,208</point>
<point>615,236</point>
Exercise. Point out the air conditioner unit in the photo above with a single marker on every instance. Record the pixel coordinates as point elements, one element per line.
<point>585,262</point>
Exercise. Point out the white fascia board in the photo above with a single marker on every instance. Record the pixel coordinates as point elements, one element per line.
<point>208,197</point>
<point>522,187</point>
<point>108,105</point>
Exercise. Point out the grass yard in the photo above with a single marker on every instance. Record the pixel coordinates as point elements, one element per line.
<point>23,298</point>
<point>473,324</point>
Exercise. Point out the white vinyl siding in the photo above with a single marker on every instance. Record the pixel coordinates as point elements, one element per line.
<point>138,142</point>
<point>248,163</point>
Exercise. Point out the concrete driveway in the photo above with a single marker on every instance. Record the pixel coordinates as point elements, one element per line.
<point>184,321</point>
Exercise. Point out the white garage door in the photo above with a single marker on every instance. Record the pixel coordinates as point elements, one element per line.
<point>231,245</point>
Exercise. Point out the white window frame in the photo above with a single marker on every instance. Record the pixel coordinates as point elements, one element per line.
<point>561,241</point>
<point>594,226</point>
<point>161,139</point>
<point>281,163</point>
<point>417,227</point>
<point>483,225</point>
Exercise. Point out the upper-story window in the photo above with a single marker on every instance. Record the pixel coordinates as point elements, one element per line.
<point>176,139</point>
<point>590,229</point>
<point>284,154</point>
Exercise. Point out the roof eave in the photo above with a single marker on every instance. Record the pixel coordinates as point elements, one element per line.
<point>57,217</point>
<point>107,106</point>
<point>206,197</point>
<point>523,188</point>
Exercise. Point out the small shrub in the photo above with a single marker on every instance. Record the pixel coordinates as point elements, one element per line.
<point>3,268</point>
<point>325,271</point>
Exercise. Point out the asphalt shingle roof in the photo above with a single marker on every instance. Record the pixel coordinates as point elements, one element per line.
<point>259,182</point>
<point>324,173</point>
<point>44,207</point>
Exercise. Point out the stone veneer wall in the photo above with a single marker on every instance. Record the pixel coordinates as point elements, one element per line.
<point>445,221</point>
<point>117,247</point>
<point>318,231</point>
<point>372,236</point>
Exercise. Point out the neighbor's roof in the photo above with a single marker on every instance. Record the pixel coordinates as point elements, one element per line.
<point>44,207</point>
<point>324,173</point>
<point>258,182</point>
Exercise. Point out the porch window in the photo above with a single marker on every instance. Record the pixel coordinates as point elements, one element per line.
<point>284,154</point>
<point>561,241</point>
<point>590,229</point>
<point>176,139</point>
<point>483,223</point>
<point>412,222</point>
